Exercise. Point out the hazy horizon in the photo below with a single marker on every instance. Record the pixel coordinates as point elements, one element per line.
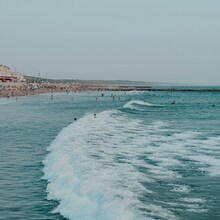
<point>154,41</point>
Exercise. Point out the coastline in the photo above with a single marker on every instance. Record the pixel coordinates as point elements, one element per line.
<point>14,89</point>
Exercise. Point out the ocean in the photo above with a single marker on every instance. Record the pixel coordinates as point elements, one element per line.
<point>135,157</point>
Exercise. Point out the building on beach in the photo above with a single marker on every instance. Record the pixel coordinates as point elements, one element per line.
<point>5,70</point>
<point>6,74</point>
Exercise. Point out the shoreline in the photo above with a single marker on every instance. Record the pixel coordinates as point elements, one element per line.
<point>15,89</point>
<point>25,89</point>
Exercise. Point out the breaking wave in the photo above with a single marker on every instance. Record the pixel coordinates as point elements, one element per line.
<point>103,167</point>
<point>137,104</point>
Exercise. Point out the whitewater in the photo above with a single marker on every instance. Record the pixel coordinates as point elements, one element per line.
<point>138,157</point>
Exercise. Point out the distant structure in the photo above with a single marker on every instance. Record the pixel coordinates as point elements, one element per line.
<point>5,70</point>
<point>7,75</point>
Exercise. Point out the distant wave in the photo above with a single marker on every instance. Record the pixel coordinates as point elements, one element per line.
<point>134,92</point>
<point>136,104</point>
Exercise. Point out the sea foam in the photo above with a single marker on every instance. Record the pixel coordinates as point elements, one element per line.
<point>93,166</point>
<point>83,178</point>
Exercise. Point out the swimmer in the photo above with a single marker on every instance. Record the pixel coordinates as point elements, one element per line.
<point>94,115</point>
<point>75,119</point>
<point>174,102</point>
<point>96,99</point>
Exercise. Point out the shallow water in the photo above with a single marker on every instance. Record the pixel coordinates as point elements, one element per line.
<point>140,158</point>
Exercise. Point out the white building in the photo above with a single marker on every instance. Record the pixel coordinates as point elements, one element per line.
<point>7,71</point>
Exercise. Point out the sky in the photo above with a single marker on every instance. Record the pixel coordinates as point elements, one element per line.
<point>174,41</point>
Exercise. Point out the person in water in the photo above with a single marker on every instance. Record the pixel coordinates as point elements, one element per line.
<point>174,102</point>
<point>94,115</point>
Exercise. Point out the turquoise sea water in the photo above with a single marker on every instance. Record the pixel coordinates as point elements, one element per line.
<point>140,158</point>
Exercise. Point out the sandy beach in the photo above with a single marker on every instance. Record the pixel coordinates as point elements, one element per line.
<point>11,89</point>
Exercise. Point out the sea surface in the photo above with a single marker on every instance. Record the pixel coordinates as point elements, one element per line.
<point>140,156</point>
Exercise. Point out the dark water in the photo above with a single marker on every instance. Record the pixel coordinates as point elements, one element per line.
<point>140,158</point>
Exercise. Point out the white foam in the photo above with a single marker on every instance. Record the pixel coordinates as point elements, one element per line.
<point>158,125</point>
<point>181,189</point>
<point>198,210</point>
<point>161,213</point>
<point>84,179</point>
<point>134,92</point>
<point>193,200</point>
<point>93,166</point>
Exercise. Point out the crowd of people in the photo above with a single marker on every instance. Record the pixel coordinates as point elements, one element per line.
<point>12,89</point>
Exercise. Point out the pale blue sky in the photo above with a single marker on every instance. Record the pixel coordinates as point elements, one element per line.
<point>149,40</point>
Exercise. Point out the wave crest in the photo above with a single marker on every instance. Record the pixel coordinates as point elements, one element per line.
<point>136,104</point>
